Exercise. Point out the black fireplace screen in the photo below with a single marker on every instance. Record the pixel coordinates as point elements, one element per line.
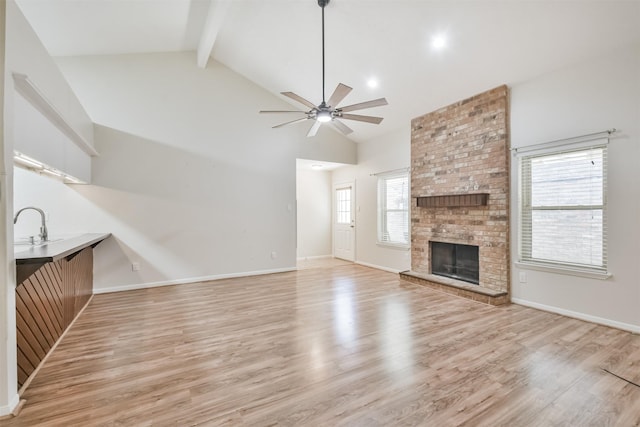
<point>455,261</point>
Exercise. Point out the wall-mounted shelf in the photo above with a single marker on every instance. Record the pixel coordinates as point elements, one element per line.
<point>31,92</point>
<point>453,200</point>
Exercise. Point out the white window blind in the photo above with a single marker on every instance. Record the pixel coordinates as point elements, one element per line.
<point>563,208</point>
<point>393,209</point>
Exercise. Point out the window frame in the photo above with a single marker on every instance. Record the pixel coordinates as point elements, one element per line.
<point>382,210</point>
<point>525,255</point>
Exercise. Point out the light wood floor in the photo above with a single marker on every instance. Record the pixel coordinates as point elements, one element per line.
<point>346,345</point>
<point>306,264</point>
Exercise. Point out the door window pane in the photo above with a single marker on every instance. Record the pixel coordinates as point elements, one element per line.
<point>343,206</point>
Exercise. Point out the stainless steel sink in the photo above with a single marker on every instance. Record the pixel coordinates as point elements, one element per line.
<point>27,243</point>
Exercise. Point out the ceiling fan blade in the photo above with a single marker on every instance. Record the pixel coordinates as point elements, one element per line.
<point>314,129</point>
<point>282,111</point>
<point>363,105</point>
<point>341,126</point>
<point>339,94</point>
<point>299,99</point>
<point>358,117</point>
<point>291,122</point>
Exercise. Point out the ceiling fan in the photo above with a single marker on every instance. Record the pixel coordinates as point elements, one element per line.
<point>327,110</point>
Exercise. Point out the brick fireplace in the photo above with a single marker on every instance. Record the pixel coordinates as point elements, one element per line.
<point>460,184</point>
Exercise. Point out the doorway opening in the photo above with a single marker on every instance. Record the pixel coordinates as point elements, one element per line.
<point>314,212</point>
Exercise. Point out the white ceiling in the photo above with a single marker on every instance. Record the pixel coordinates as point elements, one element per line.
<point>276,43</point>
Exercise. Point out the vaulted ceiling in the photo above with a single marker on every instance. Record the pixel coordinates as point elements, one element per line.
<point>277,43</point>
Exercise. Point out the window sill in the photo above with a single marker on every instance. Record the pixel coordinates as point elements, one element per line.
<point>398,246</point>
<point>561,269</point>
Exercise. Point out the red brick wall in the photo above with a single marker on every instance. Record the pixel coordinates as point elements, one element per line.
<point>462,149</point>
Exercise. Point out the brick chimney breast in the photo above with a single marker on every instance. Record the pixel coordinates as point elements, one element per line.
<point>463,150</point>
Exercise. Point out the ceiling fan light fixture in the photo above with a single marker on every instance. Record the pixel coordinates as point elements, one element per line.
<point>324,116</point>
<point>439,42</point>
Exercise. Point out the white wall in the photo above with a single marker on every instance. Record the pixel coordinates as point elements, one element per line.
<point>63,204</point>
<point>8,377</point>
<point>388,152</point>
<point>191,180</point>
<point>589,97</point>
<point>314,197</point>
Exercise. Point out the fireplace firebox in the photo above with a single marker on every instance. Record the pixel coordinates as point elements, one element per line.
<point>455,261</point>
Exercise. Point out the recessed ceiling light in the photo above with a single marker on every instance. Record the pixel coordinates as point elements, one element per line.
<point>439,42</point>
<point>372,83</point>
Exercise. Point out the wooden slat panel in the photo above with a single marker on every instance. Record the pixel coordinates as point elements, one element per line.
<point>32,308</point>
<point>50,298</point>
<point>35,326</point>
<point>22,374</point>
<point>28,358</point>
<point>46,304</point>
<point>29,327</point>
<point>84,283</point>
<point>77,273</point>
<point>69,290</point>
<point>54,287</point>
<point>43,305</point>
<point>51,272</point>
<point>38,344</point>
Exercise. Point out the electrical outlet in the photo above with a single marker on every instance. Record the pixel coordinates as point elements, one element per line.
<point>135,266</point>
<point>523,277</point>
<point>274,255</point>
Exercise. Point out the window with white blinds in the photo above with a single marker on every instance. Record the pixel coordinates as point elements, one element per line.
<point>563,208</point>
<point>393,209</point>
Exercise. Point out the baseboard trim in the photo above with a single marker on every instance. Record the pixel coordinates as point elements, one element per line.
<point>190,280</point>
<point>378,267</point>
<point>7,411</point>
<point>577,315</point>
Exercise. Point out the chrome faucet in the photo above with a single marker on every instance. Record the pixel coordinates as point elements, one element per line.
<point>44,234</point>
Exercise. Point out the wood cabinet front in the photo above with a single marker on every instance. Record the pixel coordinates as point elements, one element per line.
<point>47,302</point>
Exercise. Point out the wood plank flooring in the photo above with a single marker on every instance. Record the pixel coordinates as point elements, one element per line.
<point>341,346</point>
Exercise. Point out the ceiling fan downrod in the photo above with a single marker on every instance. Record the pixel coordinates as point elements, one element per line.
<point>322,4</point>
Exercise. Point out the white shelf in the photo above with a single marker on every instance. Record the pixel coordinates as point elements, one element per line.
<point>31,92</point>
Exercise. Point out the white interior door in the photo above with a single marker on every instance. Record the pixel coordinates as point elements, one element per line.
<point>344,224</point>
